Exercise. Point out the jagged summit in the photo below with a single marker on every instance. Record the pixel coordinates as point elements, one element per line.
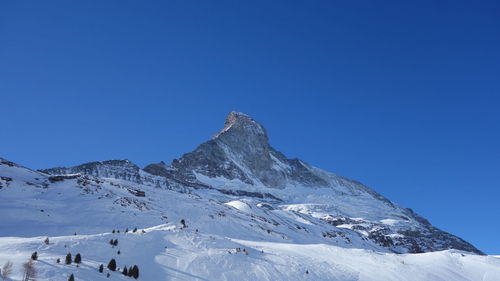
<point>242,124</point>
<point>240,151</point>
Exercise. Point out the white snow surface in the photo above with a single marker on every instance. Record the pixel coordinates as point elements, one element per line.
<point>166,252</point>
<point>226,238</point>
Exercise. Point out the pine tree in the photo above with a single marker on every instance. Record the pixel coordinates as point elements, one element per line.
<point>101,268</point>
<point>78,258</point>
<point>46,241</point>
<point>68,258</point>
<point>34,256</point>
<point>112,242</point>
<point>112,265</point>
<point>135,230</point>
<point>126,230</point>
<point>183,222</point>
<point>58,260</point>
<point>125,271</point>
<point>118,252</point>
<point>71,277</point>
<point>116,242</point>
<point>135,271</point>
<point>113,231</point>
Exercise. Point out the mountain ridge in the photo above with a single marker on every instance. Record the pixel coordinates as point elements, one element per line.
<point>232,192</point>
<point>238,161</point>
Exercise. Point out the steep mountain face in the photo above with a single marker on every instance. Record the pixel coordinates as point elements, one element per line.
<point>241,151</point>
<point>239,163</point>
<point>234,192</point>
<point>236,167</point>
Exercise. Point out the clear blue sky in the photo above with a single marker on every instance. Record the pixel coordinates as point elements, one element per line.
<point>404,97</point>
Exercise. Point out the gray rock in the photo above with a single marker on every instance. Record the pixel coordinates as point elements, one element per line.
<point>241,151</point>
<point>119,169</point>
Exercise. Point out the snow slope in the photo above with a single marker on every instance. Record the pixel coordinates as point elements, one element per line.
<point>250,214</point>
<point>167,252</point>
<point>275,243</point>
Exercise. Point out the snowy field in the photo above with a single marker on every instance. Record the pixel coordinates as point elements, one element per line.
<point>225,237</point>
<point>168,252</point>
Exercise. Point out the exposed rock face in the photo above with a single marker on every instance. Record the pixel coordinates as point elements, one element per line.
<point>241,151</point>
<point>118,169</point>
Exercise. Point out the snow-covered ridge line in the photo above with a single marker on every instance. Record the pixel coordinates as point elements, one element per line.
<point>231,193</point>
<point>240,162</point>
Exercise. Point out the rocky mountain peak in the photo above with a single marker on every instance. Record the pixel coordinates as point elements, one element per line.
<point>238,123</point>
<point>241,151</point>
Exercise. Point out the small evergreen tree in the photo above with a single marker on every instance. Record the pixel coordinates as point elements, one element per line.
<point>46,241</point>
<point>130,272</point>
<point>113,231</point>
<point>107,275</point>
<point>135,272</point>
<point>78,258</point>
<point>183,222</point>
<point>135,230</point>
<point>112,265</point>
<point>68,258</point>
<point>58,260</point>
<point>71,277</point>
<point>34,256</point>
<point>118,252</point>
<point>125,271</point>
<point>101,268</point>
<point>116,242</point>
<point>126,230</point>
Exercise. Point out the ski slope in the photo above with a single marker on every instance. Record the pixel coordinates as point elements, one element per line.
<point>168,252</point>
<point>275,242</point>
<point>233,209</point>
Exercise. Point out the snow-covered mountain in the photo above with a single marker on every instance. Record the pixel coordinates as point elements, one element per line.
<point>250,213</point>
